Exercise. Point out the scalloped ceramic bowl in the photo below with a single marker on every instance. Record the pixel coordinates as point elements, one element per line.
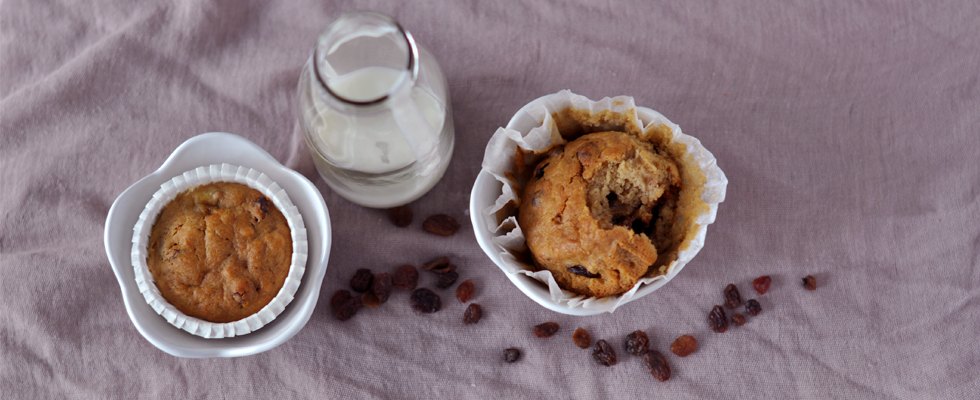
<point>201,150</point>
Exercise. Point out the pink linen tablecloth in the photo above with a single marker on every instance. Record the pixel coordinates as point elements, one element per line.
<point>850,132</point>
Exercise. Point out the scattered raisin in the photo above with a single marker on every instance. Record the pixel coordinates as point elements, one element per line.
<point>809,282</point>
<point>739,319</point>
<point>512,355</point>
<point>339,297</point>
<point>361,281</point>
<point>447,279</point>
<point>425,301</point>
<point>580,270</point>
<point>717,319</point>
<point>405,277</point>
<point>732,297</point>
<point>582,338</point>
<point>440,224</point>
<point>684,345</point>
<point>369,300</point>
<point>752,307</point>
<point>657,364</point>
<point>761,284</point>
<point>472,314</point>
<point>464,292</point>
<point>401,216</point>
<point>439,265</point>
<point>546,329</point>
<point>381,287</point>
<point>346,309</point>
<point>637,343</point>
<point>603,353</point>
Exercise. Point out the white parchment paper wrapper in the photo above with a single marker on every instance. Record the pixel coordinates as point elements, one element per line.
<point>200,176</point>
<point>541,136</point>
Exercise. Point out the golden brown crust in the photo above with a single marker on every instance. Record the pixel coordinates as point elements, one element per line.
<point>220,252</point>
<point>590,211</point>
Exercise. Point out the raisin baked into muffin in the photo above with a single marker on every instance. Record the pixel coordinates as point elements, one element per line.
<point>220,252</point>
<point>596,211</point>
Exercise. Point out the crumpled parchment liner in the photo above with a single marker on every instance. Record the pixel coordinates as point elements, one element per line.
<point>499,160</point>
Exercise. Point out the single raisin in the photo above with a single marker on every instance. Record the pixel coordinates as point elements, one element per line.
<point>369,300</point>
<point>739,319</point>
<point>761,284</point>
<point>472,314</point>
<point>657,364</point>
<point>637,343</point>
<point>752,307</point>
<point>339,297</point>
<point>401,216</point>
<point>512,355</point>
<point>361,281</point>
<point>718,320</point>
<point>684,345</point>
<point>441,225</point>
<point>439,265</point>
<point>580,270</point>
<point>405,277</point>
<point>425,301</point>
<point>381,287</point>
<point>347,309</point>
<point>582,338</point>
<point>447,279</point>
<point>732,297</point>
<point>546,329</point>
<point>464,292</point>
<point>809,282</point>
<point>603,353</point>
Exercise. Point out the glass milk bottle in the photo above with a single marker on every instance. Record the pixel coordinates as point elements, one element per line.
<point>374,108</point>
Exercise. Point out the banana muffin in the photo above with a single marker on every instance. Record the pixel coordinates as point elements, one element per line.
<point>220,252</point>
<point>596,211</point>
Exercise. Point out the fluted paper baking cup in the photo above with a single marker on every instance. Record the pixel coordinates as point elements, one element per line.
<point>197,177</point>
<point>541,135</point>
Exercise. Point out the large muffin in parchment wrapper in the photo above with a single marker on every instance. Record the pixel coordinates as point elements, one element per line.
<point>602,202</point>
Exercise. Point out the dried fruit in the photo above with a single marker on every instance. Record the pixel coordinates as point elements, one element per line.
<point>339,297</point>
<point>657,364</point>
<point>809,282</point>
<point>603,353</point>
<point>637,343</point>
<point>684,345</point>
<point>447,279</point>
<point>439,265</point>
<point>582,338</point>
<point>346,309</point>
<point>361,281</point>
<point>440,224</point>
<point>425,301</point>
<point>405,277</point>
<point>739,319</point>
<point>472,314</point>
<point>717,319</point>
<point>464,292</point>
<point>580,270</point>
<point>732,297</point>
<point>546,329</point>
<point>752,307</point>
<point>369,300</point>
<point>512,355</point>
<point>761,284</point>
<point>381,287</point>
<point>401,216</point>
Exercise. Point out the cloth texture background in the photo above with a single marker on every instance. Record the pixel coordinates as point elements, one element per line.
<point>849,131</point>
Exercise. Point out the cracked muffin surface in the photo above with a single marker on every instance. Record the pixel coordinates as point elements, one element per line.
<point>220,252</point>
<point>596,211</point>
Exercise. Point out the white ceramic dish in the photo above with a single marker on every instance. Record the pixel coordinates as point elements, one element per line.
<point>201,150</point>
<point>485,191</point>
